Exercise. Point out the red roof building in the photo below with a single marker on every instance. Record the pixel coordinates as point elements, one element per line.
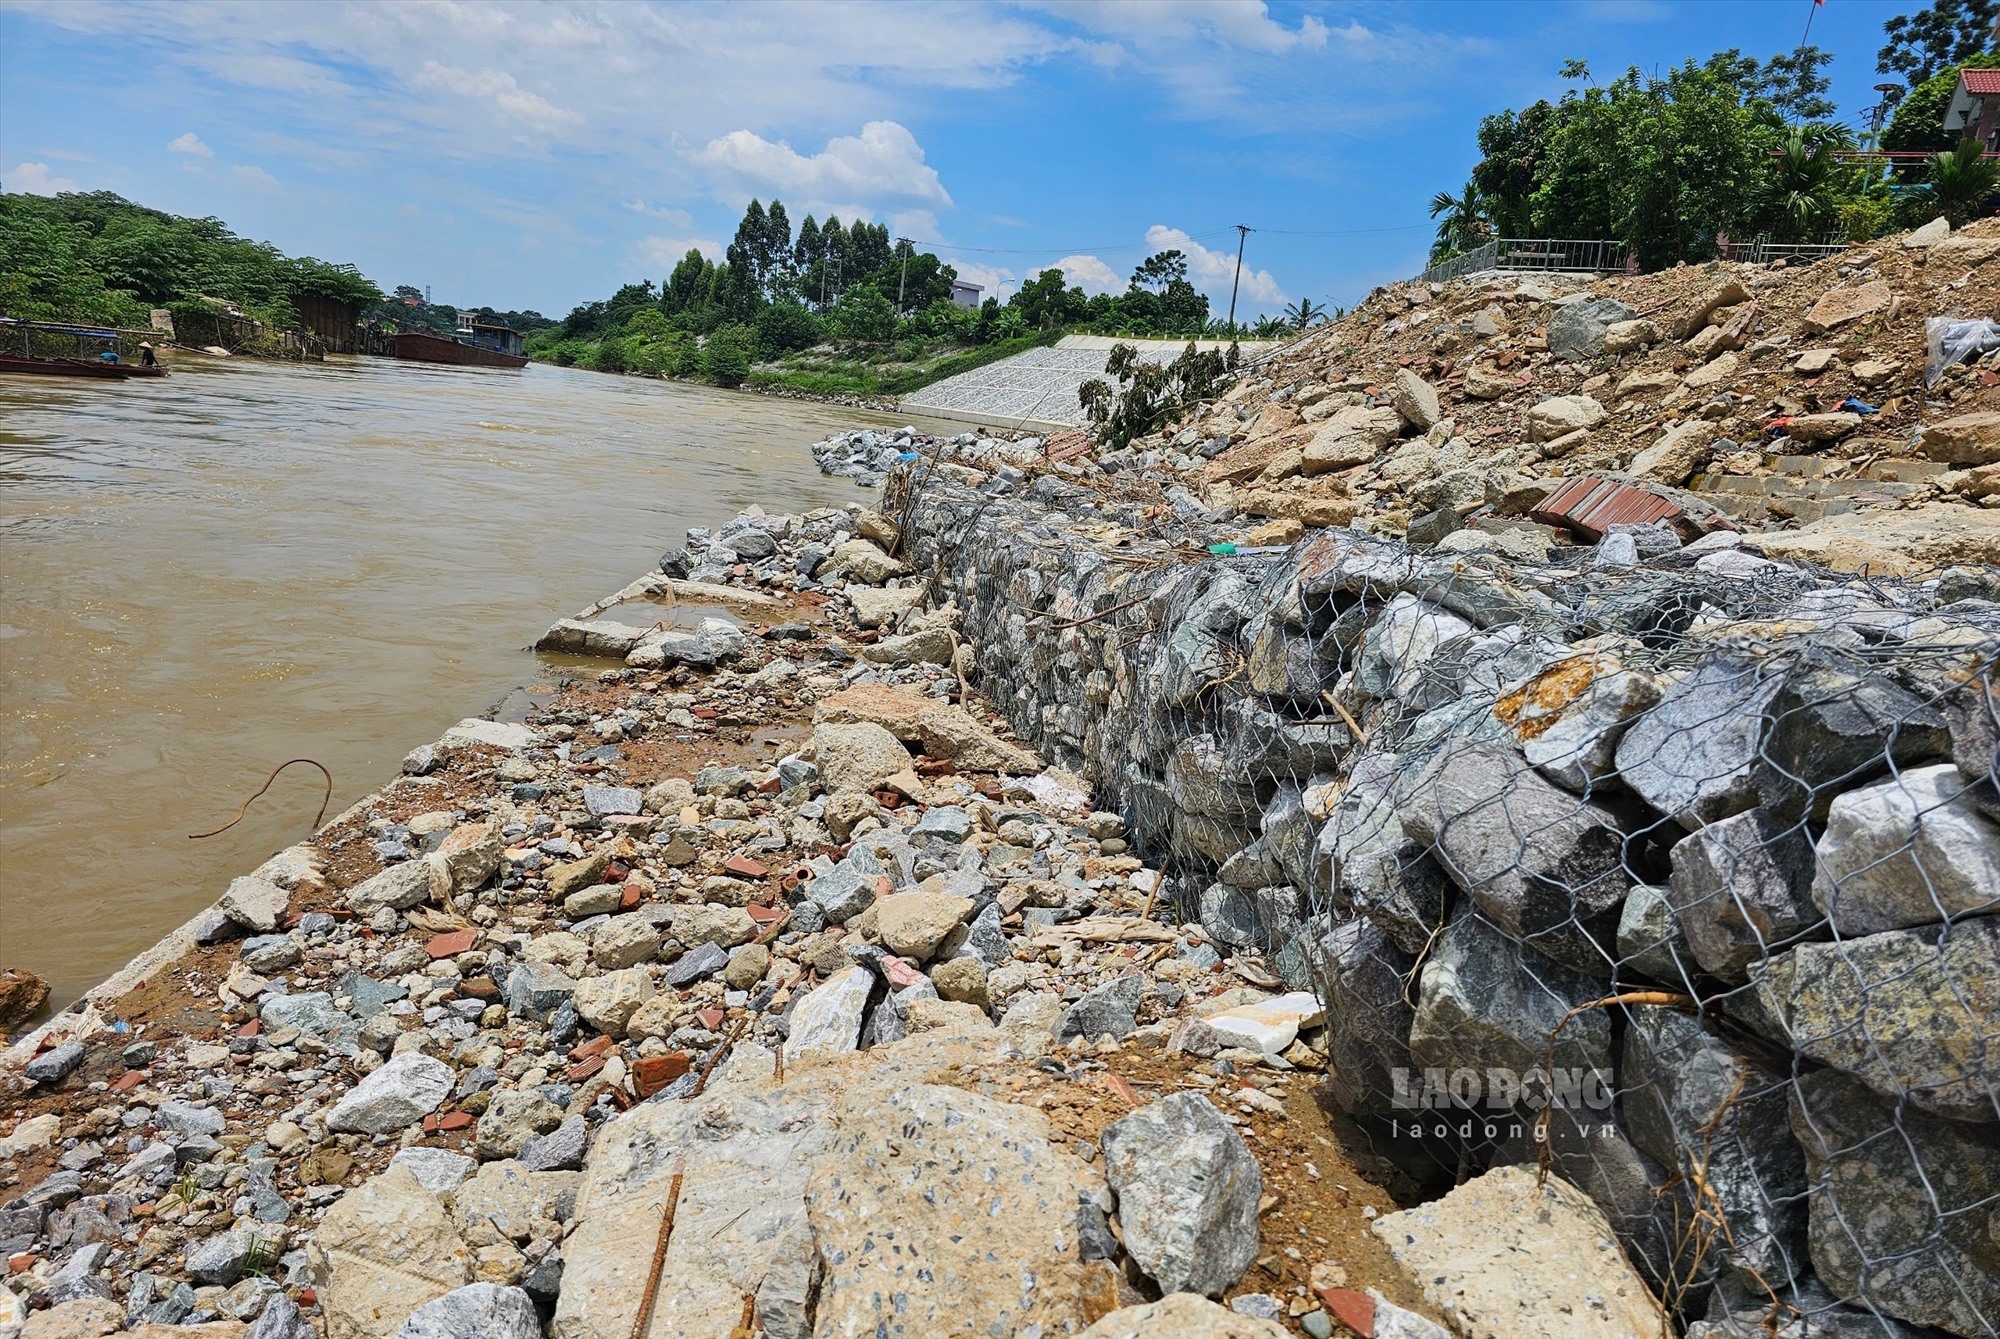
<point>1975,108</point>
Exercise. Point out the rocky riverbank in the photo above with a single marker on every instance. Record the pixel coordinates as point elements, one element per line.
<point>1643,884</point>
<point>711,939</point>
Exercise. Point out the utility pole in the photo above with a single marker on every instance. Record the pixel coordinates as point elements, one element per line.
<point>902,278</point>
<point>1242,236</point>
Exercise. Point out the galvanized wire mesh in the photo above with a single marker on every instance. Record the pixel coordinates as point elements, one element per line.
<point>1680,879</point>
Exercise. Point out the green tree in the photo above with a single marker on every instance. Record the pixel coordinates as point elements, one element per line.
<point>1047,301</point>
<point>1303,314</point>
<point>864,313</point>
<point>785,326</point>
<point>1960,182</point>
<point>1158,270</point>
<point>1807,194</point>
<point>1463,224</point>
<point>647,323</point>
<point>726,357</point>
<point>1946,35</point>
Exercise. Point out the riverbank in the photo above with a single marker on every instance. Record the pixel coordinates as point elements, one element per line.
<point>791,837</point>
<point>339,558</point>
<point>1638,879</point>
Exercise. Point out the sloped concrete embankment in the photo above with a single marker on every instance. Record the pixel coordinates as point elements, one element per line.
<point>1712,838</point>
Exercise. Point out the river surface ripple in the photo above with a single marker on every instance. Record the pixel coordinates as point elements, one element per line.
<point>203,576</point>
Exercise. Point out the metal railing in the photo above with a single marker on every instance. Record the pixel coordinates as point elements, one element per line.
<point>1568,255</point>
<point>1762,251</point>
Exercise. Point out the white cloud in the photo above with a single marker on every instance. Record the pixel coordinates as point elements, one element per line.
<point>883,163</point>
<point>190,144</point>
<point>988,277</point>
<point>249,174</point>
<point>34,179</point>
<point>1090,274</point>
<point>680,218</point>
<point>657,255</point>
<point>1245,25</point>
<point>503,93</point>
<point>1212,271</point>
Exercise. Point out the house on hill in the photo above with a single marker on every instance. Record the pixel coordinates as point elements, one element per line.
<point>1975,108</point>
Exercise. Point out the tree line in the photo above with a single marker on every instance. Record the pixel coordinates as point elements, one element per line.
<point>1673,164</point>
<point>94,256</point>
<point>777,291</point>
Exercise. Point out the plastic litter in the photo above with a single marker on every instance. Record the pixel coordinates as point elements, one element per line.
<point>1952,341</point>
<point>1224,549</point>
<point>1854,406</point>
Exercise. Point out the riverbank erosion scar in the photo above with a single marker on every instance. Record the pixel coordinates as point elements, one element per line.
<point>1677,876</point>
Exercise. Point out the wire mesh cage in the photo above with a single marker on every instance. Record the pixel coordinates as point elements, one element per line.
<point>1668,869</point>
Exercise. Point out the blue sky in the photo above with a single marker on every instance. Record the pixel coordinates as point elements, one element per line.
<point>539,155</point>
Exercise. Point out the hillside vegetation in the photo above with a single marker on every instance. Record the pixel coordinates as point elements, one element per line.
<point>97,257</point>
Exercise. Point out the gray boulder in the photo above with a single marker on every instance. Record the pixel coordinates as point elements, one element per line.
<point>1542,864</point>
<point>843,892</point>
<point>1696,1105</point>
<point>1833,725</point>
<point>1108,1011</point>
<point>1484,1001</point>
<point>1360,973</point>
<point>280,1319</point>
<point>1377,868</point>
<point>1650,938</point>
<point>1740,889</point>
<point>399,1094</point>
<point>1692,756</point>
<point>536,990</point>
<point>398,887</point>
<point>476,1311</point>
<point>1576,330</point>
<point>1900,1205</point>
<point>55,1064</point>
<point>1908,1012</point>
<point>1187,1193</point>
<point>1912,849</point>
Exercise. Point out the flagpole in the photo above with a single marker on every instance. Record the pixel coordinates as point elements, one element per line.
<point>1812,12</point>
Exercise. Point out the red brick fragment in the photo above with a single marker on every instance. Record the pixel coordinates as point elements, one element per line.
<point>743,867</point>
<point>710,1018</point>
<point>1354,1310</point>
<point>652,1074</point>
<point>451,943</point>
<point>454,1120</point>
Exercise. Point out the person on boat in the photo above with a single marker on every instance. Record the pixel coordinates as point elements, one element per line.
<point>146,358</point>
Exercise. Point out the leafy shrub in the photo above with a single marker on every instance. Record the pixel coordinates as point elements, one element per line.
<point>1150,394</point>
<point>726,358</point>
<point>785,326</point>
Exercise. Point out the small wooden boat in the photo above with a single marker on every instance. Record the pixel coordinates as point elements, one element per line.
<point>70,367</point>
<point>144,370</point>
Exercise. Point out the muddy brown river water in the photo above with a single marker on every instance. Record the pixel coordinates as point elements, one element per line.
<point>246,562</point>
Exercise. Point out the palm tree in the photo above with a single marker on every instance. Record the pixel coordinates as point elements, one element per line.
<point>1464,224</point>
<point>1303,313</point>
<point>1961,180</point>
<point>1805,183</point>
